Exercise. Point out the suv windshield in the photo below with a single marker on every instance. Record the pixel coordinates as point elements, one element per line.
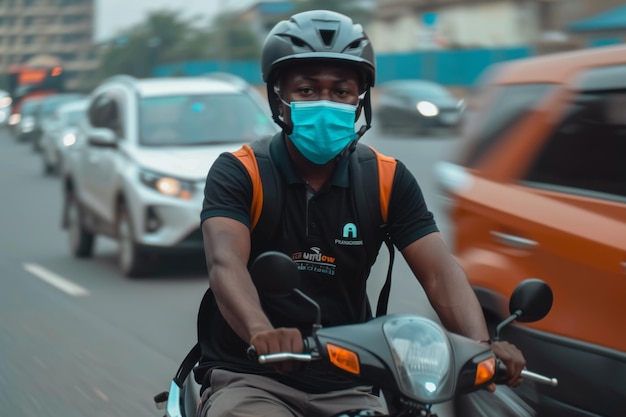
<point>72,117</point>
<point>201,119</point>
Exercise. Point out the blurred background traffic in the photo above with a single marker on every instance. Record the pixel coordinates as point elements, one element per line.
<point>510,113</point>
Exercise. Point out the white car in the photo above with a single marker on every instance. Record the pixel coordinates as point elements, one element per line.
<point>5,107</point>
<point>138,169</point>
<point>59,134</point>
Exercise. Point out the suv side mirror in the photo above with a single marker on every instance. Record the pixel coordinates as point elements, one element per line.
<point>101,136</point>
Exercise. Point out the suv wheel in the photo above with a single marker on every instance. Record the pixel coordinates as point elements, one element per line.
<point>81,240</point>
<point>131,260</point>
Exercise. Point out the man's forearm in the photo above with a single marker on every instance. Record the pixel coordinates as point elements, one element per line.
<point>238,302</point>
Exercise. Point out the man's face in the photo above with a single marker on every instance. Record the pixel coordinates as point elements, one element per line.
<point>318,81</point>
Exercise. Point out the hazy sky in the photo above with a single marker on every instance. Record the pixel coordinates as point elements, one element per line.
<point>113,15</point>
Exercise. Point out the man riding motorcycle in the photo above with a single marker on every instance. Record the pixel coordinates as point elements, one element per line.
<point>319,67</point>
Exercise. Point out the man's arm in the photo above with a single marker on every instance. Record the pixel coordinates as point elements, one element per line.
<point>453,299</point>
<point>227,250</point>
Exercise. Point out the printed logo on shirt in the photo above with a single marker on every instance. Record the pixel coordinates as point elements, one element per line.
<point>314,260</point>
<point>349,236</point>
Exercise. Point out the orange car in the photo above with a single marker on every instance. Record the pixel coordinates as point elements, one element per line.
<point>539,190</point>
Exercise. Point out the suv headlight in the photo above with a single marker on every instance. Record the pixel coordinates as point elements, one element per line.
<point>167,185</point>
<point>422,356</point>
<point>28,124</point>
<point>69,139</point>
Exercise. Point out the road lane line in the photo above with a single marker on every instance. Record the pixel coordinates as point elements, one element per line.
<point>55,280</point>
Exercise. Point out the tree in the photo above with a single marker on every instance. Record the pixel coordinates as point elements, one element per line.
<point>233,41</point>
<point>162,38</point>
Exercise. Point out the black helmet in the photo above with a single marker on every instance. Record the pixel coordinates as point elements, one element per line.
<point>317,35</point>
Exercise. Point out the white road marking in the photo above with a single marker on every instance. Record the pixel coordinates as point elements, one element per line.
<point>100,394</point>
<point>56,280</point>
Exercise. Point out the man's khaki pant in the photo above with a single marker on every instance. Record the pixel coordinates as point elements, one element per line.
<point>243,395</point>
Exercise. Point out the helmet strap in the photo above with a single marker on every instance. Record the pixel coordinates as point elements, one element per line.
<point>274,108</point>
<point>367,109</point>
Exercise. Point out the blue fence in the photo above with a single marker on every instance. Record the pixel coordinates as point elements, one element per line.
<point>448,67</point>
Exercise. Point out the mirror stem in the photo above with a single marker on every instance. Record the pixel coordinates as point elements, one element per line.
<point>506,322</point>
<point>318,311</point>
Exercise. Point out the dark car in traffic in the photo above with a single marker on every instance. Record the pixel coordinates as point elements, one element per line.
<point>416,106</point>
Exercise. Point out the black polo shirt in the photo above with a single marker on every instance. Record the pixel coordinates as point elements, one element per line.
<point>321,233</point>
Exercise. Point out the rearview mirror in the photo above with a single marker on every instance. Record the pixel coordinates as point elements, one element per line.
<point>531,300</point>
<point>275,273</point>
<point>101,136</point>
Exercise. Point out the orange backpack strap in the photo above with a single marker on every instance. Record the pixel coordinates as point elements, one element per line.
<point>246,156</point>
<point>386,170</point>
<point>369,167</point>
<point>267,186</point>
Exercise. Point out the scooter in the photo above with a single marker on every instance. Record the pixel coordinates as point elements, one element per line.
<point>413,361</point>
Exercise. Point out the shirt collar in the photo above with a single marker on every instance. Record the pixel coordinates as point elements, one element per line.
<point>280,156</point>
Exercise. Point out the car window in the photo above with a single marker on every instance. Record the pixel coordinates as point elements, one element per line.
<point>72,117</point>
<point>587,149</point>
<point>104,112</point>
<point>509,104</point>
<point>50,104</point>
<point>427,90</point>
<point>201,119</point>
<point>30,108</point>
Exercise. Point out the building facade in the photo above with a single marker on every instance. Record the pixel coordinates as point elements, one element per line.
<point>410,25</point>
<point>61,28</point>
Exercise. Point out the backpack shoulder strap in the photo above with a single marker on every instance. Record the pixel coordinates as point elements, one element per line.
<point>386,169</point>
<point>372,170</point>
<point>267,190</point>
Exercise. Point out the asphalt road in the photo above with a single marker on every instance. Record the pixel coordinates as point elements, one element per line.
<point>77,338</point>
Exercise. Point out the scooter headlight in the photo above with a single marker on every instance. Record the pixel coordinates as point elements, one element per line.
<point>422,356</point>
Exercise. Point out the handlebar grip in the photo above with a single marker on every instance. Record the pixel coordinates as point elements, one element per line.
<point>526,374</point>
<point>284,356</point>
<point>533,376</point>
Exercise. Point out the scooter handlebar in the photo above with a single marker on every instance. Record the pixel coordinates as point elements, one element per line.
<point>526,374</point>
<point>285,356</point>
<point>533,376</point>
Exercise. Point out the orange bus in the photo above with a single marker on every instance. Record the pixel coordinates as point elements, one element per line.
<point>41,75</point>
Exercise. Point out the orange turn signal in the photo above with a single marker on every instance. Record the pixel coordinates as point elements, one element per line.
<point>485,371</point>
<point>344,359</point>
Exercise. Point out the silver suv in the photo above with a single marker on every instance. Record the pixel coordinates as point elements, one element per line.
<point>138,169</point>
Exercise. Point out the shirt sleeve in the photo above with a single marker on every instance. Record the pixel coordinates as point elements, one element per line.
<point>409,217</point>
<point>227,191</point>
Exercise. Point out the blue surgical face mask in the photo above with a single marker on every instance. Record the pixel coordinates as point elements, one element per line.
<point>322,128</point>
